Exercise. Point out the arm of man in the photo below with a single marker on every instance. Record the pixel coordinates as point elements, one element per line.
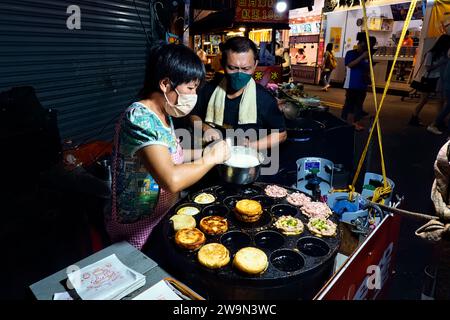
<point>351,60</point>
<point>174,178</point>
<point>270,141</point>
<point>208,133</point>
<point>273,120</point>
<point>197,123</point>
<point>199,113</point>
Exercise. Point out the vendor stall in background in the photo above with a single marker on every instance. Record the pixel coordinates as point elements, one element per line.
<point>385,22</point>
<point>257,20</point>
<point>308,72</point>
<point>305,33</point>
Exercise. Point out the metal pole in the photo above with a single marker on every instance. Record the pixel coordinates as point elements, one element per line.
<point>407,213</point>
<point>274,40</point>
<point>345,34</point>
<point>316,70</point>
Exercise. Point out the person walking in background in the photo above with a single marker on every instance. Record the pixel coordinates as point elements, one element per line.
<point>356,82</point>
<point>285,60</point>
<point>428,77</point>
<point>329,64</point>
<point>439,123</point>
<point>300,57</point>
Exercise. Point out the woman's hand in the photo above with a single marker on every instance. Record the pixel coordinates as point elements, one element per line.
<point>217,153</point>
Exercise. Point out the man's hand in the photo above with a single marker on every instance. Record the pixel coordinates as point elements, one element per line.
<point>365,55</point>
<point>281,103</point>
<point>217,153</point>
<point>355,62</point>
<point>211,134</point>
<point>268,142</point>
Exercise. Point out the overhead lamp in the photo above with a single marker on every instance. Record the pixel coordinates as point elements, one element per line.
<point>242,29</point>
<point>281,6</point>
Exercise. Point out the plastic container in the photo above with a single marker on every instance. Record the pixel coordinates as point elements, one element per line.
<point>371,178</point>
<point>346,216</point>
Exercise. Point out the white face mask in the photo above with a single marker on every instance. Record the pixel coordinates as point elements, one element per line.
<point>185,104</point>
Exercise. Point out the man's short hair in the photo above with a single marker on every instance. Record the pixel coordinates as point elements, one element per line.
<point>238,45</point>
<point>361,37</point>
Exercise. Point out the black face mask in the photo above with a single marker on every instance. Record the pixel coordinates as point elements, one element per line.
<point>238,80</point>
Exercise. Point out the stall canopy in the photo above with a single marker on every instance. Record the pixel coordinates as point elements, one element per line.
<point>214,22</point>
<point>334,6</point>
<point>224,20</point>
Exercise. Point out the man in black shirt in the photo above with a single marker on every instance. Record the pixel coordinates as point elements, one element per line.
<point>235,101</point>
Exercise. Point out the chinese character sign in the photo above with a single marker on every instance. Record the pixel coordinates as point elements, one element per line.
<point>267,74</point>
<point>367,272</point>
<point>259,11</point>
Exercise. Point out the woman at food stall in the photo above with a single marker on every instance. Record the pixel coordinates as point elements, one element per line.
<point>300,57</point>
<point>408,41</point>
<point>148,168</point>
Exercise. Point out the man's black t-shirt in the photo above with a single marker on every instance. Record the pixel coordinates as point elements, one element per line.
<point>268,115</point>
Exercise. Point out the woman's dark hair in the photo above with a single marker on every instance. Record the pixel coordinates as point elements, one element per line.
<point>329,47</point>
<point>174,61</point>
<point>238,45</point>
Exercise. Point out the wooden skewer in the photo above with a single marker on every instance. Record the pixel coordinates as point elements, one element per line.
<point>406,212</point>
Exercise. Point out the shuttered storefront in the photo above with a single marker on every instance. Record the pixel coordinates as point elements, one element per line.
<point>87,75</point>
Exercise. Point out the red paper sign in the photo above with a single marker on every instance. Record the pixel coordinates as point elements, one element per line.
<point>320,52</point>
<point>269,74</point>
<point>259,11</point>
<point>365,275</point>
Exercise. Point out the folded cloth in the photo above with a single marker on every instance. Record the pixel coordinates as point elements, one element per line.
<point>247,106</point>
<point>434,231</point>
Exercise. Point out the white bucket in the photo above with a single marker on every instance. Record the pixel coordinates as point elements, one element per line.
<point>367,193</point>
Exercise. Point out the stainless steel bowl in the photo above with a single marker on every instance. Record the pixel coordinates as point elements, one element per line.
<point>238,175</point>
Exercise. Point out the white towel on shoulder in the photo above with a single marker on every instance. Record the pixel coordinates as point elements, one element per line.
<point>247,106</point>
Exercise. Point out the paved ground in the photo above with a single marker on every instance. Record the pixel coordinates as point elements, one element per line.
<point>48,230</point>
<point>409,155</point>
